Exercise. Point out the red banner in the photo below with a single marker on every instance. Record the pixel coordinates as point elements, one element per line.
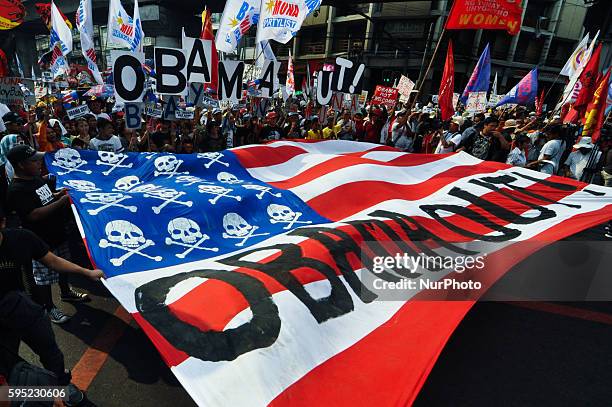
<point>384,95</point>
<point>486,15</point>
<point>12,13</point>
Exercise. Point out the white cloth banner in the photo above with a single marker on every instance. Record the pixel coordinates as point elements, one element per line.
<point>280,20</point>
<point>61,42</point>
<point>238,16</point>
<point>137,33</point>
<point>575,60</point>
<point>84,20</point>
<point>120,26</point>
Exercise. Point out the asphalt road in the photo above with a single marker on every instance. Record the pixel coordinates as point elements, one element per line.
<point>523,354</point>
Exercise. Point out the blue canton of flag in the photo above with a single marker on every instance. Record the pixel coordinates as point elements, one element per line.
<point>146,211</point>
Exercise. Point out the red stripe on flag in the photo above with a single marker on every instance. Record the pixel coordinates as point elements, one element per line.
<point>371,193</point>
<point>349,160</point>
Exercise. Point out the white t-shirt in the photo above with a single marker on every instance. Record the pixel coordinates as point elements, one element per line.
<point>453,138</point>
<point>113,144</point>
<point>554,149</point>
<point>577,162</point>
<point>400,138</point>
<point>517,158</point>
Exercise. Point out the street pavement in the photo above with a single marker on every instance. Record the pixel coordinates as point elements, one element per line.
<point>511,354</point>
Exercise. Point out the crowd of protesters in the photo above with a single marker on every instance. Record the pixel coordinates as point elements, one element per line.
<point>44,232</point>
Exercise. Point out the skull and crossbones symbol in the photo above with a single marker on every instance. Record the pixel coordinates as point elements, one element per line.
<point>214,158</point>
<point>227,178</point>
<point>168,165</point>
<point>263,191</point>
<point>218,191</point>
<point>190,180</point>
<point>123,235</point>
<point>70,160</point>
<point>106,200</point>
<point>112,160</point>
<point>236,227</point>
<point>186,233</point>
<point>81,185</point>
<point>168,196</point>
<point>126,184</point>
<point>284,214</point>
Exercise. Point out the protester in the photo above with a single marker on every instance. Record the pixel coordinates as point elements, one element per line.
<point>21,319</point>
<point>451,138</point>
<point>517,156</point>
<point>402,137</point>
<point>578,160</point>
<point>105,140</point>
<point>550,155</point>
<point>46,212</point>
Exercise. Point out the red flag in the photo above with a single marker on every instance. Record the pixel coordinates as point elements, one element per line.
<point>595,117</point>
<point>488,15</point>
<point>588,80</point>
<point>44,10</point>
<point>447,85</point>
<point>4,69</point>
<point>207,34</point>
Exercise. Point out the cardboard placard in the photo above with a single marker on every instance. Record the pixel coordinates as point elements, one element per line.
<point>384,95</point>
<point>153,111</point>
<point>77,112</point>
<point>405,86</point>
<point>133,115</point>
<point>10,91</point>
<point>184,114</point>
<point>128,76</point>
<point>477,102</point>
<point>47,76</point>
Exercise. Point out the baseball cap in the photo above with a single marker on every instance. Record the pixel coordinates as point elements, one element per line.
<point>11,118</point>
<point>21,153</point>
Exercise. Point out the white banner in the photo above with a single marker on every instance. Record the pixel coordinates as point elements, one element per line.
<point>238,16</point>
<point>280,20</point>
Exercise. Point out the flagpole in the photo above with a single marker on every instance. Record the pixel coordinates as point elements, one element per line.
<point>433,57</point>
<point>551,86</point>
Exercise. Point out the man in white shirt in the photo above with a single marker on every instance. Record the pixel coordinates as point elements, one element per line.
<point>577,160</point>
<point>550,155</point>
<point>450,140</point>
<point>401,136</point>
<point>517,156</point>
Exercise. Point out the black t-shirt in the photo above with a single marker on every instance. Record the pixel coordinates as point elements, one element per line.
<point>24,196</point>
<point>272,133</point>
<point>18,248</point>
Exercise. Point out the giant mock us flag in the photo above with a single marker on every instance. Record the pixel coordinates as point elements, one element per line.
<point>243,267</point>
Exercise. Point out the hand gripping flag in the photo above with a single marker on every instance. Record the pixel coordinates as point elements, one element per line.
<point>242,263</point>
<point>120,26</point>
<point>524,92</point>
<point>238,16</point>
<point>84,21</point>
<point>479,81</point>
<point>447,85</point>
<point>280,20</point>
